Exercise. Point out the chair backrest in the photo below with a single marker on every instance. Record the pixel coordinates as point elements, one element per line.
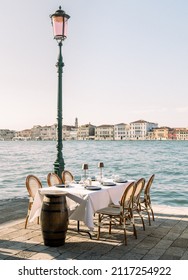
<point>67,177</point>
<point>127,197</point>
<point>32,185</point>
<point>148,186</point>
<point>53,179</point>
<point>139,186</point>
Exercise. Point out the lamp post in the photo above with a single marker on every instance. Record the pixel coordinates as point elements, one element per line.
<point>59,22</point>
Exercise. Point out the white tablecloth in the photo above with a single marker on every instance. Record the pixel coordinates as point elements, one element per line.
<point>82,203</point>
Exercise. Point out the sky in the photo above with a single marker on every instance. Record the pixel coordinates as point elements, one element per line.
<point>125,60</point>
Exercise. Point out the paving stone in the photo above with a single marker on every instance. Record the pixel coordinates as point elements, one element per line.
<point>90,256</point>
<point>156,251</point>
<point>37,248</point>
<point>185,256</point>
<point>44,256</point>
<point>68,256</point>
<point>137,250</point>
<point>151,257</point>
<point>130,256</point>
<point>169,257</point>
<point>171,236</point>
<point>164,244</point>
<point>14,258</point>
<point>3,256</point>
<point>24,254</point>
<point>180,242</point>
<point>145,245</point>
<point>7,252</point>
<point>175,251</point>
<point>184,235</point>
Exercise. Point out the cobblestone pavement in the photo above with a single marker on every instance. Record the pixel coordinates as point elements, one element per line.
<point>165,239</point>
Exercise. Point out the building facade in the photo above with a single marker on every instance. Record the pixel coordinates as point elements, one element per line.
<point>6,134</point>
<point>104,132</point>
<point>161,133</point>
<point>139,129</point>
<point>69,132</point>
<point>180,133</point>
<point>23,135</point>
<point>121,131</point>
<point>86,132</point>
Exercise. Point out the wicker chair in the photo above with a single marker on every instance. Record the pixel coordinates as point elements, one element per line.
<point>139,186</point>
<point>145,203</point>
<point>53,179</point>
<point>32,185</point>
<point>119,216</point>
<point>67,177</point>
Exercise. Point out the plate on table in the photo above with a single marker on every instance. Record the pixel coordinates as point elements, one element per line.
<point>121,181</point>
<point>93,188</point>
<point>109,184</point>
<point>60,186</point>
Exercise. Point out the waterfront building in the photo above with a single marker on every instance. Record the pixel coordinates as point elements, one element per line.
<point>86,132</point>
<point>6,134</point>
<point>70,132</point>
<point>35,132</point>
<point>181,133</point>
<point>48,132</point>
<point>161,133</point>
<point>23,135</point>
<point>104,132</point>
<point>73,134</point>
<point>121,131</point>
<point>44,132</point>
<point>172,134</point>
<point>139,129</point>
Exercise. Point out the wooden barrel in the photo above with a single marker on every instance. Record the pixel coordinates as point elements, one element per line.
<point>54,220</point>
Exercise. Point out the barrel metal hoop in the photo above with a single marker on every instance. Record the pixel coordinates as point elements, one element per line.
<point>52,231</point>
<point>55,211</point>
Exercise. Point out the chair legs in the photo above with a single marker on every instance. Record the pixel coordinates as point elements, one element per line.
<point>27,217</point>
<point>140,215</point>
<point>99,226</point>
<point>143,224</point>
<point>122,224</point>
<point>134,231</point>
<point>148,209</point>
<point>125,234</point>
<point>134,227</point>
<point>149,220</point>
<point>26,221</point>
<point>152,213</point>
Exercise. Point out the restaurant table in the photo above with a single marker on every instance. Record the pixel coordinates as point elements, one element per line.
<point>81,202</point>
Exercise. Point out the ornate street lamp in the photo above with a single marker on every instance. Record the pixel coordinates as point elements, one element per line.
<point>59,22</point>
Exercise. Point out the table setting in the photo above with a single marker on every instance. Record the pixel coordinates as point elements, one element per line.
<point>84,197</point>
